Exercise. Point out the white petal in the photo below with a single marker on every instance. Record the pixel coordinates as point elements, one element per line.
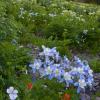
<point>10,90</point>
<point>15,91</point>
<point>13,96</point>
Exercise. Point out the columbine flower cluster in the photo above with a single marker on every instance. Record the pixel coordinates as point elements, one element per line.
<point>50,64</point>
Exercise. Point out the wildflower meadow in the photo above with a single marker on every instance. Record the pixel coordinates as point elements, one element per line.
<point>49,50</point>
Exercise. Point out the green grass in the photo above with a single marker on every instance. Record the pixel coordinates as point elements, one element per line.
<point>95,65</point>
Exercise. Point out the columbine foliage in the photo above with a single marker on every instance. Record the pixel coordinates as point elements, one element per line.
<point>49,64</point>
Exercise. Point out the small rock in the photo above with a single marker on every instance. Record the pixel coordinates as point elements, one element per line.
<point>97,98</point>
<point>96,84</point>
<point>85,97</point>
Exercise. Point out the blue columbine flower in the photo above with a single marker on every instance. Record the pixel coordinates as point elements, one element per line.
<point>37,64</point>
<point>50,64</point>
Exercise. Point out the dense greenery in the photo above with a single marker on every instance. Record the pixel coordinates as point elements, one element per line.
<point>66,25</point>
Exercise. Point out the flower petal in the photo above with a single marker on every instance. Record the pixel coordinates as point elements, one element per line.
<point>10,90</point>
<point>13,96</point>
<point>15,91</point>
